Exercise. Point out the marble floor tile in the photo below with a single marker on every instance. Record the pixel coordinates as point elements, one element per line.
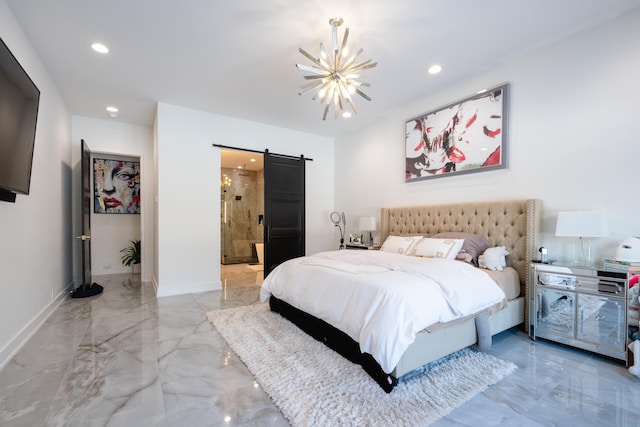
<point>125,358</point>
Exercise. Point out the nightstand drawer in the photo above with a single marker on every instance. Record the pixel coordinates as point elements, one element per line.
<point>364,247</point>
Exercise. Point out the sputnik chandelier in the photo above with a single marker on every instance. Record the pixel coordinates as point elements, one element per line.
<point>335,74</point>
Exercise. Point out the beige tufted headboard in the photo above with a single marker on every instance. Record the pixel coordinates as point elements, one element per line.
<point>514,224</point>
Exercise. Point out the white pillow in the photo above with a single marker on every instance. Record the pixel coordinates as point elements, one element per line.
<point>437,248</point>
<point>399,244</point>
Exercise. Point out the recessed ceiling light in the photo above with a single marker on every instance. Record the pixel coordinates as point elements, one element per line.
<point>252,160</point>
<point>113,111</point>
<point>434,69</point>
<point>346,114</point>
<point>100,48</point>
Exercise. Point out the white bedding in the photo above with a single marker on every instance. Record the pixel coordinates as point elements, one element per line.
<point>381,299</point>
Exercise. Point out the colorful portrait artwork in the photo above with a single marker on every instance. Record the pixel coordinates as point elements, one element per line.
<point>468,136</point>
<point>116,186</point>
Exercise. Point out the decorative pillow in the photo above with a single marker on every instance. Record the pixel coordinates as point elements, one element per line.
<point>493,258</point>
<point>474,244</point>
<point>399,244</point>
<point>465,256</point>
<point>437,248</point>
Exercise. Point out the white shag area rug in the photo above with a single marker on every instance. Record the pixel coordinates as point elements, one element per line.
<point>314,386</point>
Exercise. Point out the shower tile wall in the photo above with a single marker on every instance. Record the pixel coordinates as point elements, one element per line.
<point>241,205</point>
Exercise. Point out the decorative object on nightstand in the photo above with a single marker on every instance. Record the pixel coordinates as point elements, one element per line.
<point>368,224</point>
<point>628,250</point>
<point>355,239</point>
<point>582,224</point>
<point>339,218</point>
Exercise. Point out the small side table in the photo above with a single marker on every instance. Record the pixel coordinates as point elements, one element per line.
<point>585,307</point>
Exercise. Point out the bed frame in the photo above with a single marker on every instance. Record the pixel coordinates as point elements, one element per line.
<point>514,224</point>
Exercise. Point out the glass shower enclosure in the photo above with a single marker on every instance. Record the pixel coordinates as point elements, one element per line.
<point>241,215</point>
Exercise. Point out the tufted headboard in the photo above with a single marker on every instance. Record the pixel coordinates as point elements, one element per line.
<point>514,224</point>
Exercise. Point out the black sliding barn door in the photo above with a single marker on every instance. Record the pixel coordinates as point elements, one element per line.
<point>283,209</point>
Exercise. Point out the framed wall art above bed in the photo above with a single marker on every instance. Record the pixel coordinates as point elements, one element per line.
<point>464,137</point>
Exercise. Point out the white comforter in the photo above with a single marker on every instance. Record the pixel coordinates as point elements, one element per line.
<point>379,299</point>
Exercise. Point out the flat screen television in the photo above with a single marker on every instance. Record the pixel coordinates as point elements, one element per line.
<point>19,101</point>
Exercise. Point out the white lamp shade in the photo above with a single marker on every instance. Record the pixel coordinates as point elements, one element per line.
<point>368,223</point>
<point>581,224</point>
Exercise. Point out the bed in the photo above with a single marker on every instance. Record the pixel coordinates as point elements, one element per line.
<point>514,224</point>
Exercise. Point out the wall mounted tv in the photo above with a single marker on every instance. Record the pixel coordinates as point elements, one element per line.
<point>19,100</point>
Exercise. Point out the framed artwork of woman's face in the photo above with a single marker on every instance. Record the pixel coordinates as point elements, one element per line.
<point>116,186</point>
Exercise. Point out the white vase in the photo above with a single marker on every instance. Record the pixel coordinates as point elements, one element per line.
<point>136,268</point>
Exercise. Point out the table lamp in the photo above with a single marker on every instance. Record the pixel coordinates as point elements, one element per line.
<point>368,223</point>
<point>582,224</point>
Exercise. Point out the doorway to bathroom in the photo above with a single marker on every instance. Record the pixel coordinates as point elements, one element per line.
<point>241,207</point>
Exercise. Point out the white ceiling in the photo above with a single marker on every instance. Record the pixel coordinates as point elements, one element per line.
<point>237,58</point>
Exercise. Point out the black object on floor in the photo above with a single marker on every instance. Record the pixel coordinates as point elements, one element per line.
<point>87,291</point>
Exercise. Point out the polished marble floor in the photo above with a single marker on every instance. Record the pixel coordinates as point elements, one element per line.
<point>126,358</point>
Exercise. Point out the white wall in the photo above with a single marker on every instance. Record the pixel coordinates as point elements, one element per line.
<point>112,232</point>
<point>189,190</point>
<point>35,242</point>
<point>573,140</point>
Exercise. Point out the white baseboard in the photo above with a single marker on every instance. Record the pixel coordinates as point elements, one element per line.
<point>186,288</point>
<point>154,282</point>
<point>20,339</point>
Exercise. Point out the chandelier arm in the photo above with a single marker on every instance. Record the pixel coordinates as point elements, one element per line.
<point>357,83</point>
<point>344,40</point>
<point>344,91</point>
<point>325,58</point>
<point>362,94</point>
<point>375,64</point>
<point>322,92</point>
<point>308,55</point>
<point>326,110</point>
<point>309,87</point>
<point>343,46</point>
<point>328,95</point>
<point>353,58</point>
<point>353,106</point>
<point>318,76</point>
<point>361,66</point>
<point>314,83</point>
<point>312,69</point>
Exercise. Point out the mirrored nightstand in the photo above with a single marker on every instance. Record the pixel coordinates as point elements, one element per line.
<point>581,307</point>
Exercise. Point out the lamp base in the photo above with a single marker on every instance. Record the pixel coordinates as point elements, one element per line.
<point>581,264</point>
